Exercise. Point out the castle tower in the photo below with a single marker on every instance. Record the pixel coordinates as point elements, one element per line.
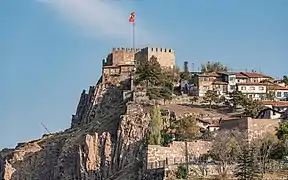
<point>165,56</point>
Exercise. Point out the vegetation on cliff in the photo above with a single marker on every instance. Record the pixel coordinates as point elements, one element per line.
<point>155,126</point>
<point>159,82</point>
<point>213,67</point>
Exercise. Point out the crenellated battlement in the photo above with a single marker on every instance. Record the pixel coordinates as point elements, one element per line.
<point>125,50</point>
<point>159,49</point>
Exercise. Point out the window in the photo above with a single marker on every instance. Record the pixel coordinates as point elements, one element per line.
<point>232,87</point>
<point>231,78</point>
<point>252,88</point>
<point>243,88</point>
<point>278,94</point>
<point>261,88</point>
<point>285,94</point>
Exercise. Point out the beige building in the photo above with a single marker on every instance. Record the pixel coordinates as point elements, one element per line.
<point>205,82</point>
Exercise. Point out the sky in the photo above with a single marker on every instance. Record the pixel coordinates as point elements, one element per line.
<point>51,50</point>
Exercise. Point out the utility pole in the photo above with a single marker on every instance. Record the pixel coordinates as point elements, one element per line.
<point>186,157</point>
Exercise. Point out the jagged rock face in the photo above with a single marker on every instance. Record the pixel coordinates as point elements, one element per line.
<point>110,146</point>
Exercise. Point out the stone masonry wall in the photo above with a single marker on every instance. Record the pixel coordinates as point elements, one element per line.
<point>259,127</point>
<point>175,153</point>
<point>165,56</point>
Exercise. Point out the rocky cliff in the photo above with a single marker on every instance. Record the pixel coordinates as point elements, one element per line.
<point>107,142</point>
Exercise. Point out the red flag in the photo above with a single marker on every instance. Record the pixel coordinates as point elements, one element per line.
<point>132,17</point>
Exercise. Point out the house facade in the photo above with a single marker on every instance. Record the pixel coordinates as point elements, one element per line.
<point>274,109</point>
<point>280,92</point>
<point>221,87</point>
<point>253,90</point>
<point>205,81</point>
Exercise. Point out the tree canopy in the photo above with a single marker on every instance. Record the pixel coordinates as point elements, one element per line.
<point>285,80</point>
<point>187,128</point>
<point>213,67</point>
<point>210,97</point>
<point>159,82</point>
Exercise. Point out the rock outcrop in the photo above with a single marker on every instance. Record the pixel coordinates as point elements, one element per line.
<point>107,142</point>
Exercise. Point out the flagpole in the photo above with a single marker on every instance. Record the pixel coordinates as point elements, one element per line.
<point>133,35</point>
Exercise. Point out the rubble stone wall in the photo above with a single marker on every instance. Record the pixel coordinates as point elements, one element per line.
<point>175,153</point>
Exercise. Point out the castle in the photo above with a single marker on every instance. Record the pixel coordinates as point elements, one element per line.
<point>118,67</point>
<point>121,61</point>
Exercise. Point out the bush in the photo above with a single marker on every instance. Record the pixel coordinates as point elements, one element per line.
<point>182,172</point>
<point>166,139</point>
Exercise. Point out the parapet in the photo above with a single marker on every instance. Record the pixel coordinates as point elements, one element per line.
<point>159,49</point>
<point>127,50</point>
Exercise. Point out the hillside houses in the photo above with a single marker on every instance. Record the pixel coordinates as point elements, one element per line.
<point>253,85</point>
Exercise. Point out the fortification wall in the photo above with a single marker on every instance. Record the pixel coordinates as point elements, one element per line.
<point>120,56</point>
<point>260,127</point>
<point>175,153</point>
<point>165,56</point>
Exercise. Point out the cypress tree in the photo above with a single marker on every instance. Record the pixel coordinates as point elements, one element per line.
<point>247,167</point>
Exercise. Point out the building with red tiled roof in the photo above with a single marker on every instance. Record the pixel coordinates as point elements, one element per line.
<point>274,109</point>
<point>280,92</point>
<point>253,90</point>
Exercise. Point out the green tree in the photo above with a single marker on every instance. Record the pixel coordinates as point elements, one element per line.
<point>210,97</point>
<point>285,80</point>
<point>182,172</point>
<point>221,99</point>
<point>270,95</point>
<point>252,108</point>
<point>194,99</point>
<point>149,71</point>
<point>282,130</point>
<point>159,83</point>
<point>237,98</point>
<point>247,167</point>
<point>185,75</point>
<point>155,126</point>
<point>187,128</point>
<point>165,94</point>
<point>213,67</point>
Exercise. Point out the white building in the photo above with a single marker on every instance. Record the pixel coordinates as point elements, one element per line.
<point>253,90</point>
<point>281,93</point>
<point>274,109</point>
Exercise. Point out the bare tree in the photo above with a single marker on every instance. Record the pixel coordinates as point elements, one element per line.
<point>264,146</point>
<point>225,149</point>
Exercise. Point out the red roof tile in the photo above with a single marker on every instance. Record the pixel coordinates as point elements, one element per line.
<point>275,103</point>
<point>252,83</point>
<point>240,75</point>
<point>253,75</point>
<point>277,87</point>
<point>212,74</point>
<point>219,83</point>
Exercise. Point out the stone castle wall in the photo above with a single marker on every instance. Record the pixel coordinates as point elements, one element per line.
<point>165,56</point>
<point>254,127</point>
<point>175,153</point>
<point>121,56</point>
<point>126,56</point>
